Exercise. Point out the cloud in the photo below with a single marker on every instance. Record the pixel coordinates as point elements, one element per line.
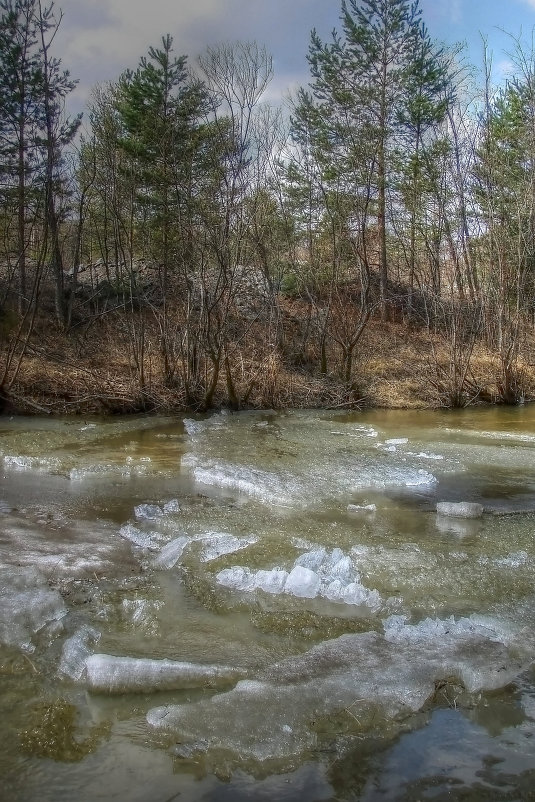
<point>99,39</point>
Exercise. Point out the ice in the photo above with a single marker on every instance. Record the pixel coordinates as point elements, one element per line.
<point>171,507</point>
<point>76,650</point>
<point>147,512</point>
<point>391,476</point>
<point>528,703</point>
<point>136,536</point>
<point>312,559</point>
<point>109,674</point>
<point>271,581</point>
<point>460,527</point>
<point>355,593</point>
<point>264,486</point>
<point>243,579</point>
<point>339,566</point>
<point>216,544</point>
<point>141,613</point>
<point>314,573</point>
<point>461,509</point>
<point>27,605</point>
<point>302,582</point>
<point>367,508</point>
<point>237,578</point>
<point>397,441</point>
<point>171,554</point>
<point>513,560</point>
<point>101,469</point>
<point>372,676</point>
<point>22,463</point>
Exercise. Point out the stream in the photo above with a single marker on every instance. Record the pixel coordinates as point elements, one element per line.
<point>267,606</point>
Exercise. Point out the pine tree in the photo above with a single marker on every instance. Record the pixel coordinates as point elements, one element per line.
<point>373,81</point>
<point>20,91</point>
<point>159,108</point>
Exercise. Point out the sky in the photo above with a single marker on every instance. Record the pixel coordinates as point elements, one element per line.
<point>99,39</point>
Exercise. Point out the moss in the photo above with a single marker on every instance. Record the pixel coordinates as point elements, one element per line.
<point>53,733</point>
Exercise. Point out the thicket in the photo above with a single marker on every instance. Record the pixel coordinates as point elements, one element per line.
<point>222,243</point>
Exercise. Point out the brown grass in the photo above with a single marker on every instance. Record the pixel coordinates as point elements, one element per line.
<point>94,372</point>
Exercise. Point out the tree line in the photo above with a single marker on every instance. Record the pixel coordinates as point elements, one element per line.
<point>222,235</point>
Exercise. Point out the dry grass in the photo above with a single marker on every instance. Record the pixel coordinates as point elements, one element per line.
<point>95,372</point>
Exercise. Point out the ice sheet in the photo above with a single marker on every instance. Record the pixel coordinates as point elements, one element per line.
<point>27,605</point>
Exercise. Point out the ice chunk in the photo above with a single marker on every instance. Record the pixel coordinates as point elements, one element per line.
<point>340,567</point>
<point>76,650</point>
<point>528,703</point>
<point>302,582</point>
<point>171,554</point>
<point>513,560</point>
<point>264,486</point>
<point>461,509</point>
<point>147,511</point>
<point>22,463</point>
<point>136,536</point>
<point>365,673</point>
<point>237,578</point>
<point>315,573</point>
<point>397,441</point>
<point>271,581</point>
<point>313,560</point>
<point>361,508</point>
<point>27,605</point>
<point>357,594</point>
<point>334,591</point>
<point>461,527</point>
<point>171,506</point>
<point>108,674</point>
<point>219,543</point>
<point>140,612</point>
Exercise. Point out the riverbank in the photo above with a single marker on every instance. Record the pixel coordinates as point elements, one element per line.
<point>96,370</point>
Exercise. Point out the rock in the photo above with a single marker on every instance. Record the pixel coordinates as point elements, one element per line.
<point>460,509</point>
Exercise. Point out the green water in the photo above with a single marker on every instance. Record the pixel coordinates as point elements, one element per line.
<point>403,671</point>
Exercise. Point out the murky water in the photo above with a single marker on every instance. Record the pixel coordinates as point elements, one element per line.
<point>267,606</point>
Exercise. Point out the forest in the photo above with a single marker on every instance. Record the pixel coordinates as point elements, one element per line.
<point>191,246</point>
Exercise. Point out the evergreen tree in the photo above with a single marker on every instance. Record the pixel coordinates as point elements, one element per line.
<point>159,109</point>
<point>381,76</point>
<point>20,92</point>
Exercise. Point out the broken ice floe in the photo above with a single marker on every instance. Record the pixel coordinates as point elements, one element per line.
<point>26,463</point>
<point>264,486</point>
<point>460,509</point>
<point>145,540</point>
<point>147,512</point>
<point>217,544</point>
<point>366,508</point>
<point>101,469</point>
<point>76,650</point>
<point>109,674</point>
<point>316,573</point>
<point>371,675</point>
<point>27,606</point>
<point>171,553</point>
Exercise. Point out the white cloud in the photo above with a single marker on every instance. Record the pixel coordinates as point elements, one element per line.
<point>99,39</point>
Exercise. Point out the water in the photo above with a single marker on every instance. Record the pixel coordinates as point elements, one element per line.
<point>267,606</point>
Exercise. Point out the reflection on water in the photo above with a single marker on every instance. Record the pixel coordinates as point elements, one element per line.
<point>267,606</point>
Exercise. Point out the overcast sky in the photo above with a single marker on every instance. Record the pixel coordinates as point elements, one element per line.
<point>98,39</point>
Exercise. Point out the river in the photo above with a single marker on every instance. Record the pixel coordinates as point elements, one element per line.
<point>267,606</point>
